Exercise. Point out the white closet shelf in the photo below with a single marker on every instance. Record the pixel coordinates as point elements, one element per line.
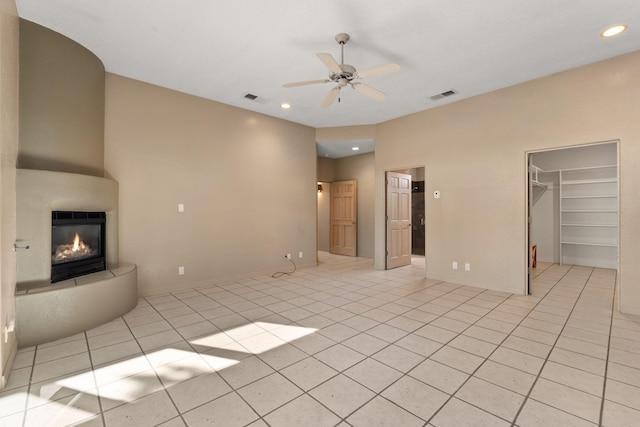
<point>589,225</point>
<point>611,245</point>
<point>588,206</point>
<point>600,196</point>
<point>590,210</point>
<point>588,181</point>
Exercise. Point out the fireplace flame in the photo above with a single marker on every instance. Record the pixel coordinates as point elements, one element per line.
<point>72,251</point>
<point>77,243</point>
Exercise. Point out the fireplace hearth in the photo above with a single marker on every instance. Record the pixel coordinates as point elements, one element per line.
<point>77,244</point>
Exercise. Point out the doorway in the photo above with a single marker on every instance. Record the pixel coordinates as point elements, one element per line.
<point>405,216</point>
<point>572,206</point>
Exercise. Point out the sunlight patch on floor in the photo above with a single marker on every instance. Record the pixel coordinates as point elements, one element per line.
<point>254,338</point>
<point>128,380</point>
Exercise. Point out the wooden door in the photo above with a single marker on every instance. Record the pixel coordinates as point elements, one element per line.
<point>398,219</point>
<point>344,217</point>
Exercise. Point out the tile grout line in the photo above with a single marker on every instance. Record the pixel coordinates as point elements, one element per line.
<point>95,380</point>
<point>535,381</point>
<point>606,365</point>
<point>144,353</point>
<point>26,401</point>
<point>452,395</point>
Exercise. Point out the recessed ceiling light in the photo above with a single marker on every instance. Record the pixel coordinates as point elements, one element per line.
<point>355,148</point>
<point>285,106</point>
<point>613,31</point>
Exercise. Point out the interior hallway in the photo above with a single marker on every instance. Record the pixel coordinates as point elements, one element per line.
<point>344,344</point>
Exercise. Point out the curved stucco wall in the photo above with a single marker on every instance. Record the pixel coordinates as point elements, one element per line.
<point>39,193</point>
<point>54,312</point>
<point>61,104</point>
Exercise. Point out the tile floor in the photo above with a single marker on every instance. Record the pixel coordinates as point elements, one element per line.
<point>343,344</point>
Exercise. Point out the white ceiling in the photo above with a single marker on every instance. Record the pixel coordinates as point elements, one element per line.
<point>345,148</point>
<point>222,50</point>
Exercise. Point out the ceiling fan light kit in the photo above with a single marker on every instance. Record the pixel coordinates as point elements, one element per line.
<point>346,75</point>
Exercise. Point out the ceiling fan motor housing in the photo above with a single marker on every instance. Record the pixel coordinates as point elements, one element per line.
<point>342,38</point>
<point>348,73</point>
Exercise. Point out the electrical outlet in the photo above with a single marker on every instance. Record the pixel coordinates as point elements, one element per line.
<point>181,271</point>
<point>454,265</point>
<point>288,256</point>
<point>300,254</point>
<point>180,207</point>
<point>467,267</point>
<point>10,326</point>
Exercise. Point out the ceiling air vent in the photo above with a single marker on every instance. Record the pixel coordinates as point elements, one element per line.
<point>251,96</point>
<point>443,94</point>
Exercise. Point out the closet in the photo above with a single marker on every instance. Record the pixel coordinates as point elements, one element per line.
<point>574,213</point>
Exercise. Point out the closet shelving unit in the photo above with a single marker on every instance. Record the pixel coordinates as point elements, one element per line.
<point>589,216</point>
<point>537,187</point>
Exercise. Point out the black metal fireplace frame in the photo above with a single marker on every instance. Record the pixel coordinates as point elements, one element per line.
<point>71,269</point>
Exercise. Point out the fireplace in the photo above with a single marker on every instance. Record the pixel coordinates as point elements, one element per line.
<point>77,244</point>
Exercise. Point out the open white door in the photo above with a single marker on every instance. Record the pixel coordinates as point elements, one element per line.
<point>398,219</point>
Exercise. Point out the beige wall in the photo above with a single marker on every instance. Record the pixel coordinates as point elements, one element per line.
<point>362,169</point>
<point>474,153</point>
<point>61,104</point>
<point>326,169</point>
<point>247,182</point>
<point>9,58</point>
<point>346,133</point>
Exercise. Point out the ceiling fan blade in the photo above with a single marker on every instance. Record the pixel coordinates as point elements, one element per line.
<point>308,82</point>
<point>379,70</point>
<point>370,92</point>
<point>331,96</point>
<point>331,63</point>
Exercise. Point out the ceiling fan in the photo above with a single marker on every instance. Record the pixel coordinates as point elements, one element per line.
<point>345,74</point>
